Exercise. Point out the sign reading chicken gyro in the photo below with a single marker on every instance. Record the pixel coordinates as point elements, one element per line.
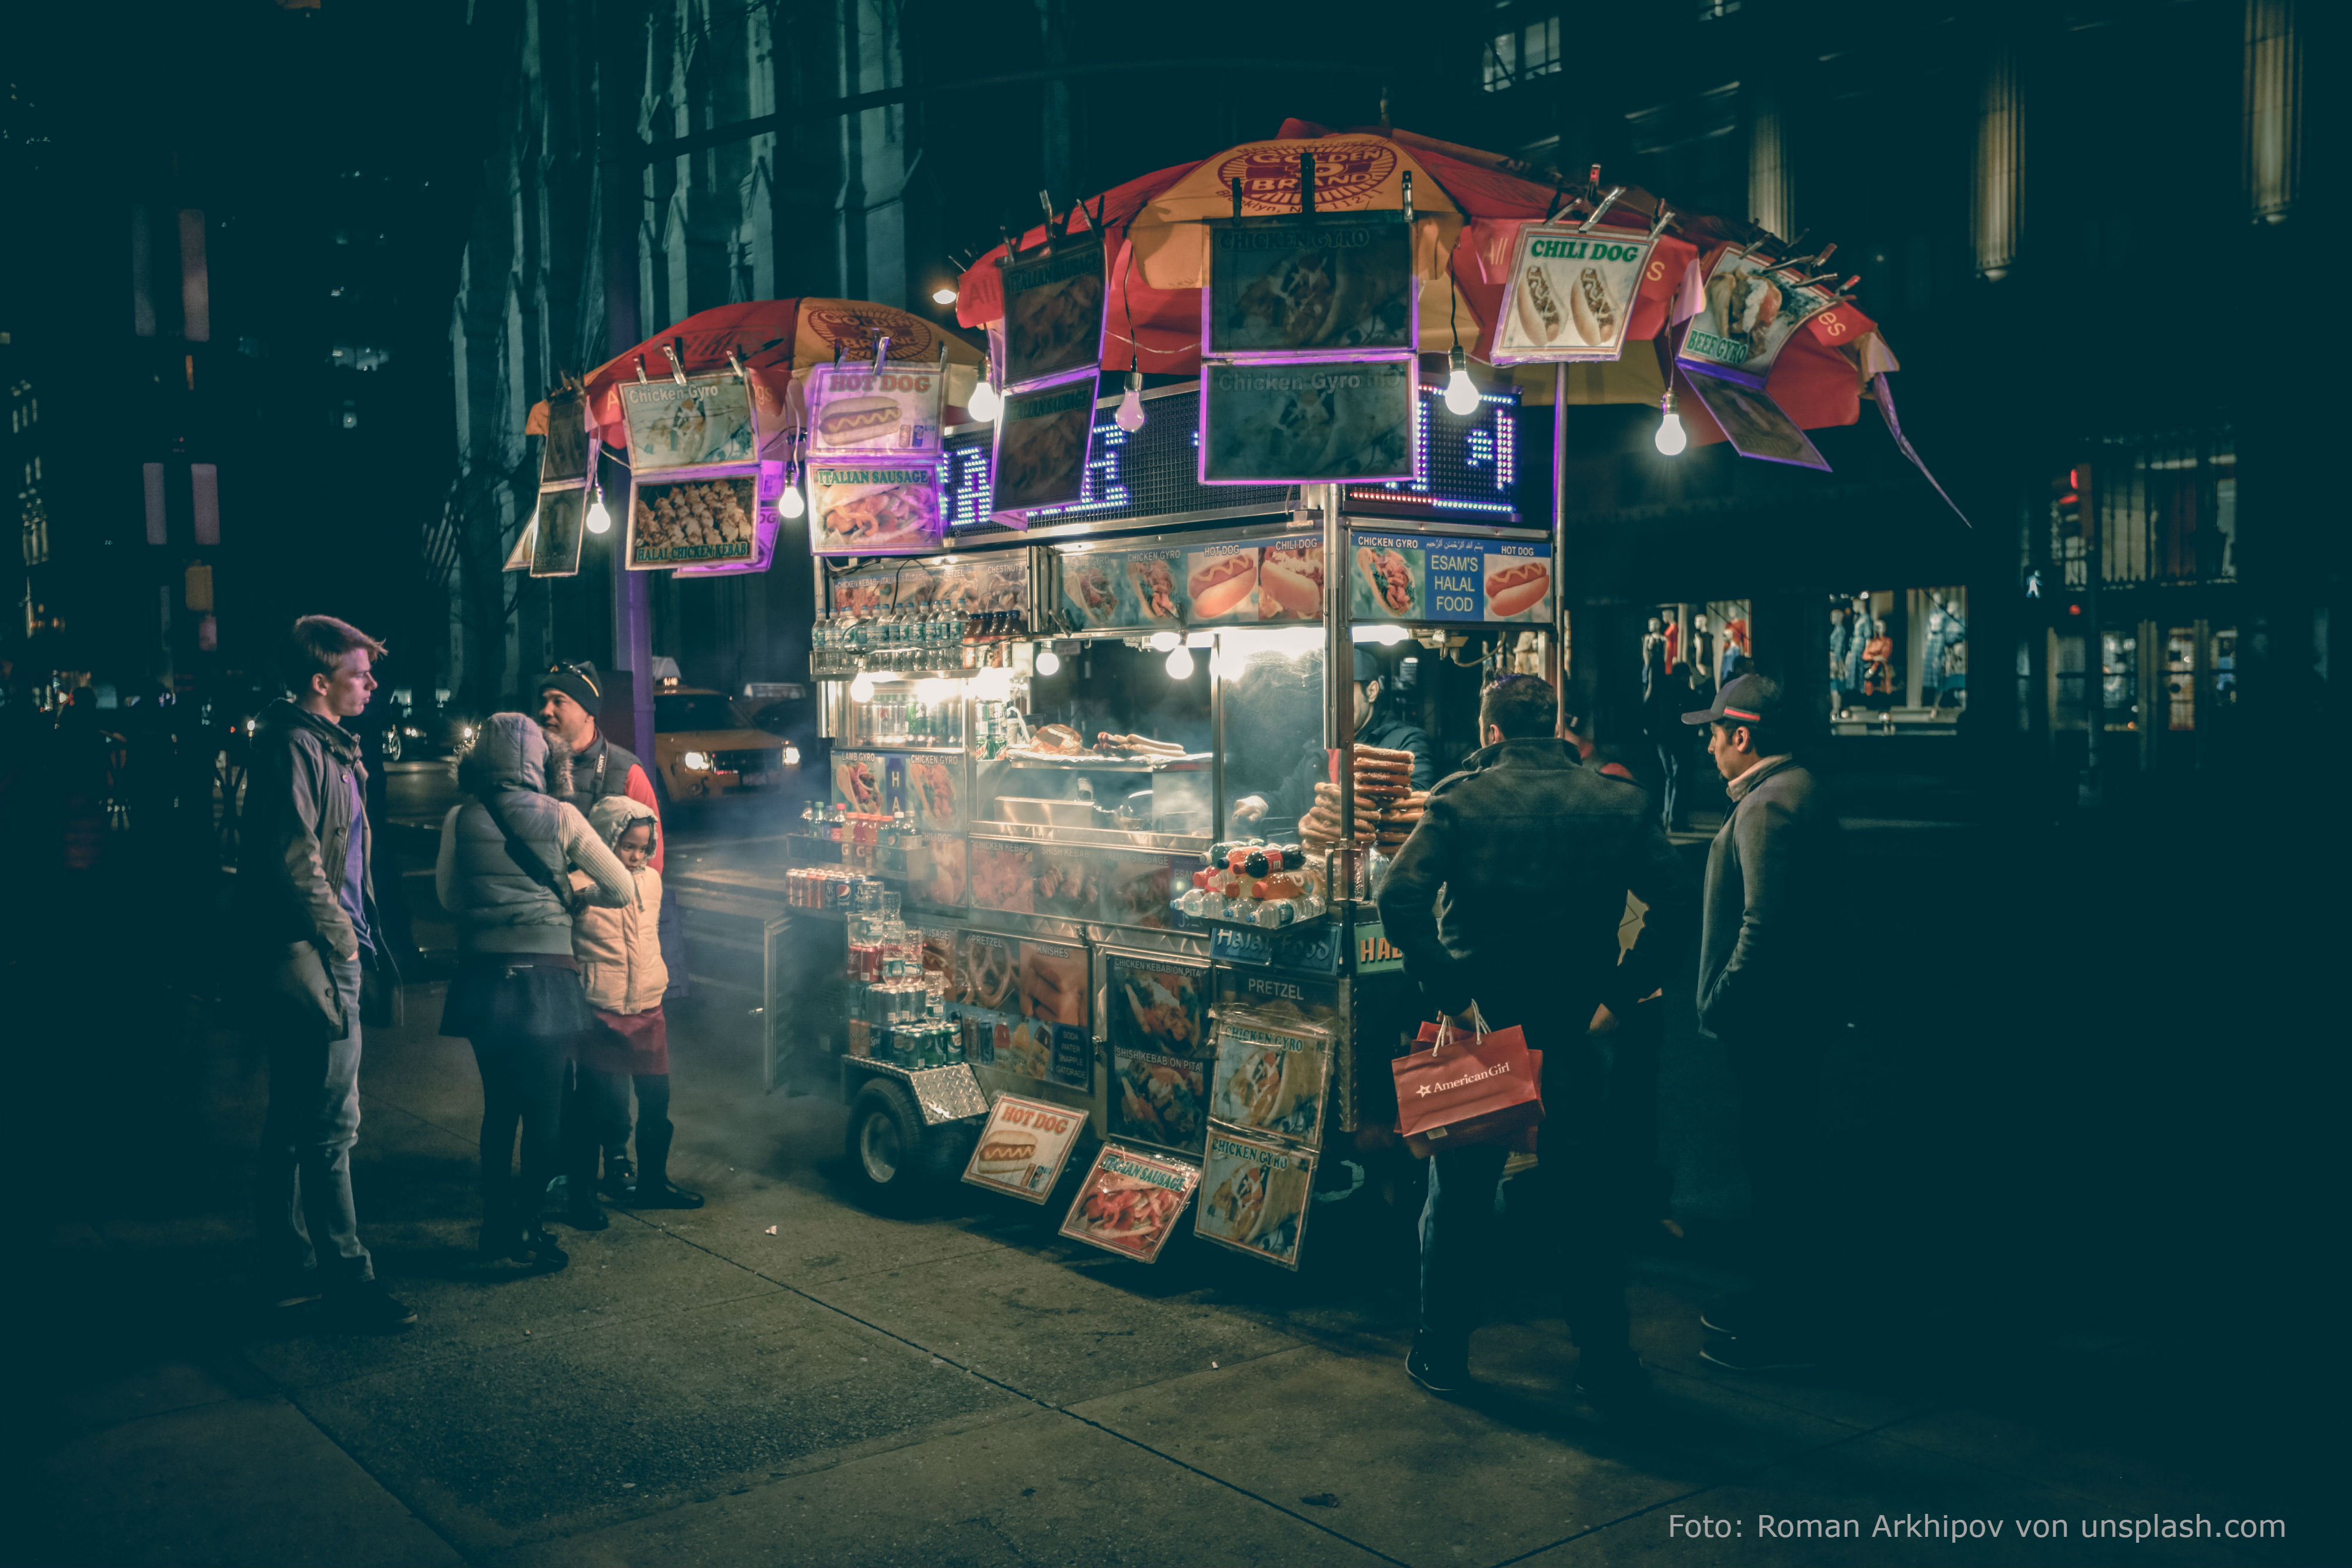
<point>873,507</point>
<point>1270,1080</point>
<point>1569,295</point>
<point>701,422</point>
<point>1130,1202</point>
<point>1023,1147</point>
<point>1427,577</point>
<point>1256,1197</point>
<point>1265,424</point>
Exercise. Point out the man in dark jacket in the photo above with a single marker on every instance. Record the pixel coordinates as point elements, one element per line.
<point>571,706</point>
<point>308,899</point>
<point>1510,895</point>
<point>1765,955</point>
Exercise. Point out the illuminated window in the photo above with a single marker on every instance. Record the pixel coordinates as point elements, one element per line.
<point>1523,52</point>
<point>1715,10</point>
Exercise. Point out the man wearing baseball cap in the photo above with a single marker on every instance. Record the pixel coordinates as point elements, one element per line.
<point>1765,955</point>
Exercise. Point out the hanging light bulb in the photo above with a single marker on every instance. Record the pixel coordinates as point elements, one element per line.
<point>1179,664</point>
<point>943,295</point>
<point>862,689</point>
<point>1129,416</point>
<point>1671,436</point>
<point>1049,661</point>
<point>791,503</point>
<point>1461,392</point>
<point>1161,641</point>
<point>984,403</point>
<point>599,519</point>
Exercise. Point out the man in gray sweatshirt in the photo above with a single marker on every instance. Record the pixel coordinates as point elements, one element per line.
<point>1765,946</point>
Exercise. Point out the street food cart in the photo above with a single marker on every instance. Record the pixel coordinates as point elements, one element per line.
<point>1041,735</point>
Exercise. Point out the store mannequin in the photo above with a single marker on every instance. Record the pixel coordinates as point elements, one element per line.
<point>1841,644</point>
<point>1735,646</point>
<point>1865,628</point>
<point>1673,640</point>
<point>1653,658</point>
<point>1700,654</point>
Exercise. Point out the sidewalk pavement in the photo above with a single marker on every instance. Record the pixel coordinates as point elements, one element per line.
<point>961,1387</point>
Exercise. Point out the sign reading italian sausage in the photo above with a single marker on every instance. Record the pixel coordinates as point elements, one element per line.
<point>1130,1202</point>
<point>857,412</point>
<point>1569,295</point>
<point>881,508</point>
<point>1426,577</point>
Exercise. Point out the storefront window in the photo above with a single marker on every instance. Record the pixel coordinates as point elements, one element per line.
<point>2119,679</point>
<point>1898,659</point>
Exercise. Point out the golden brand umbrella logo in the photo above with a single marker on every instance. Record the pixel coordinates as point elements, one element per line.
<point>1345,173</point>
<point>910,336</point>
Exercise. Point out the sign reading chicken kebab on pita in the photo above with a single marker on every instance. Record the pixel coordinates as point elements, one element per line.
<point>1130,1203</point>
<point>1569,295</point>
<point>1750,314</point>
<point>874,508</point>
<point>1053,310</point>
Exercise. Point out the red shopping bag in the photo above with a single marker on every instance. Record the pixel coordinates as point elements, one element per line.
<point>1486,1088</point>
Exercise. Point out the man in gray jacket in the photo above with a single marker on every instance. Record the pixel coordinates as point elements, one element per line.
<point>1764,959</point>
<point>308,898</point>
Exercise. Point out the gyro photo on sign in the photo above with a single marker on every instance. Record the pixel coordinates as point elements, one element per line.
<point>1289,286</point>
<point>1308,423</point>
<point>1053,310</point>
<point>1570,294</point>
<point>1751,312</point>
<point>703,423</point>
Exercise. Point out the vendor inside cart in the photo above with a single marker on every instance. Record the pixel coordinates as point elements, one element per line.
<point>1288,797</point>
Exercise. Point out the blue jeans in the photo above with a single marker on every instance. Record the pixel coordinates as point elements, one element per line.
<point>303,1194</point>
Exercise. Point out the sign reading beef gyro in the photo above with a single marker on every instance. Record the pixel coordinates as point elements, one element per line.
<point>1053,310</point>
<point>1307,424</point>
<point>874,508</point>
<point>1751,313</point>
<point>1282,287</point>
<point>1042,441</point>
<point>1023,1147</point>
<point>1130,1202</point>
<point>1569,295</point>
<point>858,411</point>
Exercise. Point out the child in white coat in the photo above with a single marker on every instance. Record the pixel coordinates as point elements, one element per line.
<point>621,968</point>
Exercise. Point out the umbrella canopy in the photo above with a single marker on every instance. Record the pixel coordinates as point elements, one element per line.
<point>1474,205</point>
<point>777,340</point>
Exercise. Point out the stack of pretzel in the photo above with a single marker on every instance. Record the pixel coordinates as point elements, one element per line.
<point>1387,805</point>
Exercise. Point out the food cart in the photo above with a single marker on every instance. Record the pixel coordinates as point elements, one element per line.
<point>1039,734</point>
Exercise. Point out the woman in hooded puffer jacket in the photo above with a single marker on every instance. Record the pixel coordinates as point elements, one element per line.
<point>503,875</point>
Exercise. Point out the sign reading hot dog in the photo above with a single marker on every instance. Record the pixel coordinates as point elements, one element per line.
<point>1023,1147</point>
<point>1424,577</point>
<point>858,411</point>
<point>1569,295</point>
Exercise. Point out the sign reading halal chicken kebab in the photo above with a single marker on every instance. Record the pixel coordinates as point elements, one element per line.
<point>694,459</point>
<point>1569,295</point>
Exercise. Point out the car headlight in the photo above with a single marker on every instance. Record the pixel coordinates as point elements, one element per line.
<point>696,760</point>
<point>412,731</point>
<point>792,757</point>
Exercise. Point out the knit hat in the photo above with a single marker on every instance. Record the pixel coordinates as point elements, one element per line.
<point>577,681</point>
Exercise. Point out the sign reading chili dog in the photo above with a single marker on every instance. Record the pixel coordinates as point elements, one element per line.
<point>1569,295</point>
<point>874,508</point>
<point>1130,1203</point>
<point>1023,1147</point>
<point>857,412</point>
<point>1427,577</point>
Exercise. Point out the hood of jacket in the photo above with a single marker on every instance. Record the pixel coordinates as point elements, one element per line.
<point>510,753</point>
<point>286,714</point>
<point>615,814</point>
<point>1533,752</point>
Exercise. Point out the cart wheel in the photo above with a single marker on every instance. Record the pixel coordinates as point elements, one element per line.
<point>893,1154</point>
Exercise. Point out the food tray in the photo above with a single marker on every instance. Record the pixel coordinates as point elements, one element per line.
<point>1191,762</point>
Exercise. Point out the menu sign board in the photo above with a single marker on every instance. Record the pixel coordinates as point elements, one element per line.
<point>858,411</point>
<point>1256,1197</point>
<point>1270,1080</point>
<point>1125,588</point>
<point>1252,583</point>
<point>1569,295</point>
<point>874,508</point>
<point>692,522</point>
<point>1053,310</point>
<point>568,458</point>
<point>1307,424</point>
<point>1130,1202</point>
<point>701,422</point>
<point>1284,287</point>
<point>1023,1147</point>
<point>1749,316</point>
<point>1043,439</point>
<point>555,535</point>
<point>1753,424</point>
<point>1432,578</point>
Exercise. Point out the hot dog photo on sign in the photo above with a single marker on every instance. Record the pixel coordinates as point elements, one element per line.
<point>1517,588</point>
<point>1569,295</point>
<point>1222,582</point>
<point>856,410</point>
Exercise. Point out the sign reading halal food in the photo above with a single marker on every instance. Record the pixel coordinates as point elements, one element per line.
<point>1749,316</point>
<point>1053,310</point>
<point>874,508</point>
<point>1426,577</point>
<point>703,423</point>
<point>1283,288</point>
<point>1023,1147</point>
<point>858,412</point>
<point>1310,424</point>
<point>1569,295</point>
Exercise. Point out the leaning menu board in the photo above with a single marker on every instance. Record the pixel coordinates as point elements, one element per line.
<point>555,534</point>
<point>1270,1080</point>
<point>701,422</point>
<point>1256,1197</point>
<point>1023,1147</point>
<point>1130,1202</point>
<point>1432,577</point>
<point>1054,300</point>
<point>1308,423</point>
<point>1569,296</point>
<point>856,411</point>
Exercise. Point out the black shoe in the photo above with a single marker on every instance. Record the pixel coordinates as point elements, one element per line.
<point>294,1290</point>
<point>1760,1353</point>
<point>1439,1371</point>
<point>662,1195</point>
<point>1615,1384</point>
<point>620,1180</point>
<point>590,1217</point>
<point>365,1307</point>
<point>538,1250</point>
<point>1727,1317</point>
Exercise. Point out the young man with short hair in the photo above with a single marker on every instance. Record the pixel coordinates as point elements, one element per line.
<point>1764,961</point>
<point>1532,854</point>
<point>307,897</point>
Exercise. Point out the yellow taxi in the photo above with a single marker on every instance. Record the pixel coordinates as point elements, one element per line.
<point>704,748</point>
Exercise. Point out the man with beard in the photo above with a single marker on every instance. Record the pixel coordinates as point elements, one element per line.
<point>583,767</point>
